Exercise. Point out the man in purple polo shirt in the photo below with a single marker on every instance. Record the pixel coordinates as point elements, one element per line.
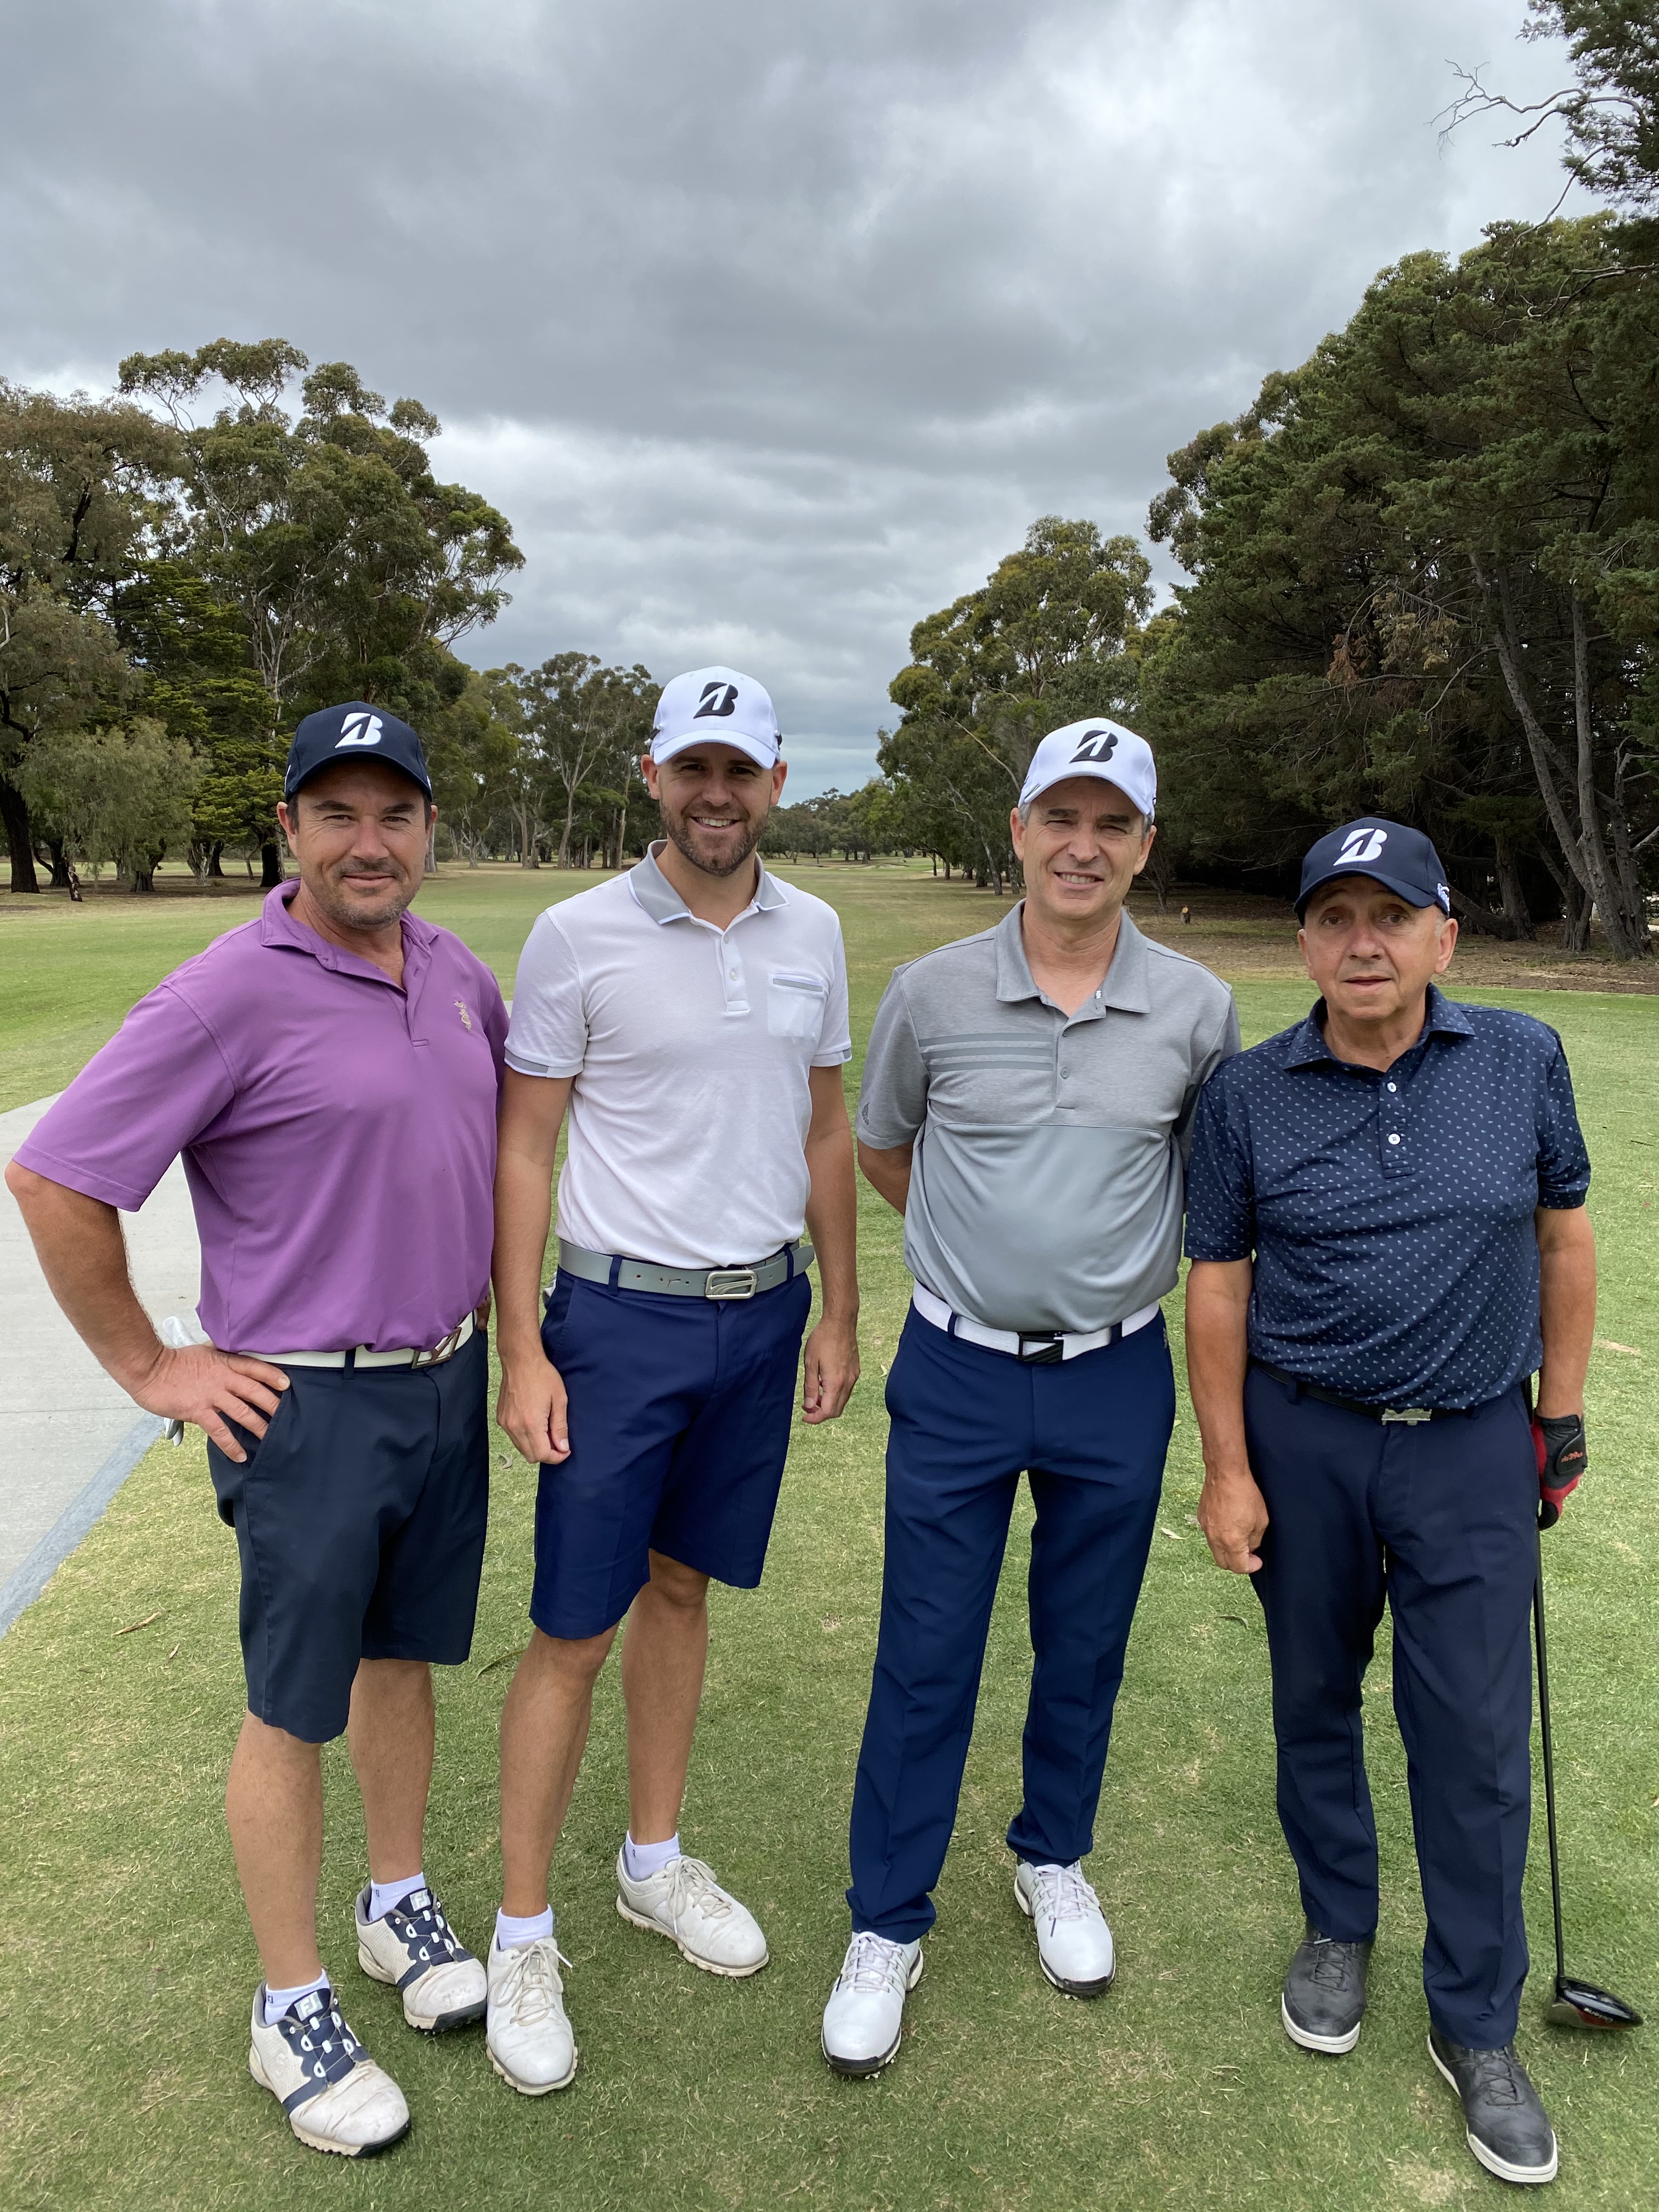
<point>330,1074</point>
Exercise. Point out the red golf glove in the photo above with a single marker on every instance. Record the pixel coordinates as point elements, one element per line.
<point>1558,1441</point>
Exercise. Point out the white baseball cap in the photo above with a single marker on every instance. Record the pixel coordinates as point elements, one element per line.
<point>715,706</point>
<point>1096,747</point>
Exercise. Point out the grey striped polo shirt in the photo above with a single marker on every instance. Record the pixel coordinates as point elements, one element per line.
<point>1048,1182</point>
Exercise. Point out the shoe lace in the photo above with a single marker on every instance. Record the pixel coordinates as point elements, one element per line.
<point>1063,1895</point>
<point>1499,2074</point>
<point>533,1987</point>
<point>692,1888</point>
<point>419,1924</point>
<point>322,2043</point>
<point>873,1963</point>
<point>1332,1962</point>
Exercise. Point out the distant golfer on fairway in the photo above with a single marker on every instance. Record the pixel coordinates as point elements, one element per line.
<point>1385,1215</point>
<point>692,1018</point>
<point>1026,1105</point>
<point>330,1073</point>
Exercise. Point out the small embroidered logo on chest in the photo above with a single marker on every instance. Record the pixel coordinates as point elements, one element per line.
<point>466,1018</point>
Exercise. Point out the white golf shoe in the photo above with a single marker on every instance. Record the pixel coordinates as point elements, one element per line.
<point>1074,1944</point>
<point>336,2097</point>
<point>529,2039</point>
<point>684,1901</point>
<point>863,2020</point>
<point>414,1947</point>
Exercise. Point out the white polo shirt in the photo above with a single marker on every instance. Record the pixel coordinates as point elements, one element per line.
<point>690,1046</point>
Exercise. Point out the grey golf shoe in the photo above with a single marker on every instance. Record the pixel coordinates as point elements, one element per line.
<point>1324,2000</point>
<point>1507,2127</point>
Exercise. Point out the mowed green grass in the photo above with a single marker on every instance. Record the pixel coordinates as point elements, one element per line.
<point>127,1969</point>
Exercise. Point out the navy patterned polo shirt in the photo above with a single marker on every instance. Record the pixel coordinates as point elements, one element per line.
<point>1390,1216</point>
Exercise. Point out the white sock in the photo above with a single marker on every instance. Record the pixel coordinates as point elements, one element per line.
<point>641,1861</point>
<point>510,1932</point>
<point>278,2001</point>
<point>383,1895</point>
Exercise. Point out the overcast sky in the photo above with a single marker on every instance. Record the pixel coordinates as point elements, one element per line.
<point>770,327</point>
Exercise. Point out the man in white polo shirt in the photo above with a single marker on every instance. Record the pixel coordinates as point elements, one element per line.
<point>691,1016</point>
<point>1026,1106</point>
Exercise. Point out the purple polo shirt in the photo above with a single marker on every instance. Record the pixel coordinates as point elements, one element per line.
<point>338,1134</point>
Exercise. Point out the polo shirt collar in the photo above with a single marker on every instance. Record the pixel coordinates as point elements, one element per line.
<point>1128,986</point>
<point>278,928</point>
<point>1308,1046</point>
<point>658,897</point>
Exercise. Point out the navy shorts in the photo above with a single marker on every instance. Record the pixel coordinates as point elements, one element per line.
<point>679,1414</point>
<point>360,1516</point>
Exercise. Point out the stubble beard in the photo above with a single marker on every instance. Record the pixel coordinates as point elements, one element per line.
<point>344,914</point>
<point>683,837</point>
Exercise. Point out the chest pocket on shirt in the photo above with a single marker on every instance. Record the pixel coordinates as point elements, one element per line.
<point>795,1004</point>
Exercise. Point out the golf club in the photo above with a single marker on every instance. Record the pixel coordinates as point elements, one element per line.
<point>1575,2003</point>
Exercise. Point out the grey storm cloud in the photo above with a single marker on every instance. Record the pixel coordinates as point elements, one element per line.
<point>769,328</point>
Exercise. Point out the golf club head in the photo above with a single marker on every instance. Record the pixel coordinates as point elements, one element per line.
<point>1581,2004</point>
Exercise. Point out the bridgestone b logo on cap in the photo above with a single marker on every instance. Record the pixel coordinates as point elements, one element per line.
<point>1097,746</point>
<point>359,730</point>
<point>1360,845</point>
<point>716,699</point>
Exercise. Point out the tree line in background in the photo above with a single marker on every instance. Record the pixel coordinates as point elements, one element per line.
<point>1422,578</point>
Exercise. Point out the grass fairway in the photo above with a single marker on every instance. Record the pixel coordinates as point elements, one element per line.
<point>127,1969</point>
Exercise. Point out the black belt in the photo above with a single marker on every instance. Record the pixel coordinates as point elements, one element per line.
<point>1411,1415</point>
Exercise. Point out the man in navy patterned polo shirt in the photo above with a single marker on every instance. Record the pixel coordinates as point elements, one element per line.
<point>1385,1217</point>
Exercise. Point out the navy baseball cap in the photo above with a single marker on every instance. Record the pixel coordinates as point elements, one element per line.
<point>1402,860</point>
<point>354,732</point>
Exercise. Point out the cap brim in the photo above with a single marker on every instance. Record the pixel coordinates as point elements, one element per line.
<point>763,751</point>
<point>336,760</point>
<point>1030,795</point>
<point>1411,893</point>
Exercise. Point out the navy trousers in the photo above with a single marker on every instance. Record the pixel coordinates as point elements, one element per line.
<point>1439,1521</point>
<point>965,1422</point>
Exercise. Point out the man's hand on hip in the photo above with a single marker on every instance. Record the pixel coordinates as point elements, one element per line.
<point>212,1389</point>
<point>829,1370</point>
<point>531,1409</point>
<point>1233,1514</point>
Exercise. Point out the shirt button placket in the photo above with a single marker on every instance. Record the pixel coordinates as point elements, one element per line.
<point>731,978</point>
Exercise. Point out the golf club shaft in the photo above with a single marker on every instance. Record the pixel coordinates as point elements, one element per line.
<point>1549,1750</point>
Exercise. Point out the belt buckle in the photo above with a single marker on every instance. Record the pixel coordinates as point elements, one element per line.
<point>727,1283</point>
<point>1411,1415</point>
<point>1049,1343</point>
<point>441,1350</point>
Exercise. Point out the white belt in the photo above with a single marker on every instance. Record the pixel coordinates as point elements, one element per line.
<point>360,1356</point>
<point>1035,1347</point>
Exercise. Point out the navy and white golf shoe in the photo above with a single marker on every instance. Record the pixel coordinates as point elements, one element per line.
<point>336,2097</point>
<point>414,1947</point>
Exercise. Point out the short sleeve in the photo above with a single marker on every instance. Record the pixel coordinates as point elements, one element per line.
<point>159,1083</point>
<point>548,1034</point>
<point>893,1097</point>
<point>1220,1186</point>
<point>1564,1168</point>
<point>1223,1045</point>
<point>494,1020</point>
<point>835,1045</point>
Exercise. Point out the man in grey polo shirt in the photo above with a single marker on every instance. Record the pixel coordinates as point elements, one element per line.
<point>1026,1105</point>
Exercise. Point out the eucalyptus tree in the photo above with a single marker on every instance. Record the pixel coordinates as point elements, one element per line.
<point>80,482</point>
<point>1043,640</point>
<point>1426,580</point>
<point>352,568</point>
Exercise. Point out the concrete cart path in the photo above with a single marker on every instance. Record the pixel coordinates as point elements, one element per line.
<point>68,1437</point>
